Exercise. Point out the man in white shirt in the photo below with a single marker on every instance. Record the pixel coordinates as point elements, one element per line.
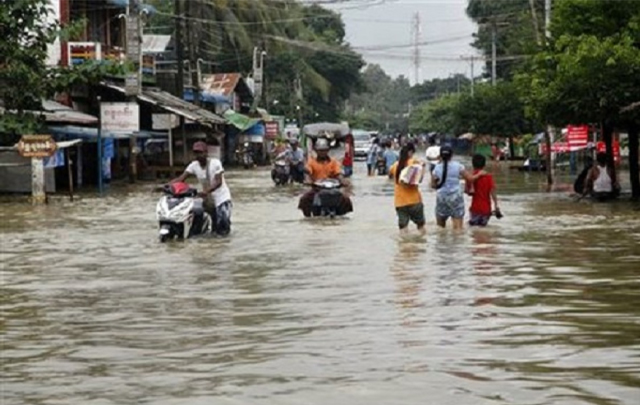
<point>210,175</point>
<point>432,154</point>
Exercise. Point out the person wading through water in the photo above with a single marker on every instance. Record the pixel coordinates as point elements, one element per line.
<point>446,180</point>
<point>407,197</point>
<point>599,181</point>
<point>216,194</point>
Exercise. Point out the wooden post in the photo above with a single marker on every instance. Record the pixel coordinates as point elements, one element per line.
<point>38,194</point>
<point>170,146</point>
<point>70,173</point>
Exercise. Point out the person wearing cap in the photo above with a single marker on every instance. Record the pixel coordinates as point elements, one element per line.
<point>210,174</point>
<point>295,158</point>
<point>446,180</point>
<point>319,168</point>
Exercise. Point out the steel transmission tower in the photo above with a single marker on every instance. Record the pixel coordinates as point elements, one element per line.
<point>416,34</point>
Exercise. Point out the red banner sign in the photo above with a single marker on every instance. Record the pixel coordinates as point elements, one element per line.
<point>602,148</point>
<point>558,147</point>
<point>577,137</point>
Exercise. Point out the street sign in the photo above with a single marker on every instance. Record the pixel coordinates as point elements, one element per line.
<point>131,84</point>
<point>36,146</point>
<point>120,117</point>
<point>133,37</point>
<point>271,129</point>
<point>163,122</point>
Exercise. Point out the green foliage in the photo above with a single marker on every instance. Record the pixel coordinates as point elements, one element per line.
<point>432,89</point>
<point>440,115</point>
<point>25,79</point>
<point>592,70</point>
<point>519,31</point>
<point>383,103</point>
<point>301,41</point>
<point>492,110</point>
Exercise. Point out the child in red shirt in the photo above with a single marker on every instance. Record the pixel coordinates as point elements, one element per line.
<point>483,191</point>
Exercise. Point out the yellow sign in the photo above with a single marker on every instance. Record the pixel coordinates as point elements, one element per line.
<point>38,146</point>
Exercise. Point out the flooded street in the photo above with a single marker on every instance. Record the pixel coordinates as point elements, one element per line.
<point>539,308</point>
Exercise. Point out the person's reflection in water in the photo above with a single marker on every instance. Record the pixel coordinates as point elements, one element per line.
<point>406,270</point>
<point>484,253</point>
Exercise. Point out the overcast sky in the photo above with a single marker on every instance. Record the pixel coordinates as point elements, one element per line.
<point>387,25</point>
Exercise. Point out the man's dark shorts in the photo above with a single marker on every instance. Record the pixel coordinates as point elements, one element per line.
<point>414,213</point>
<point>479,219</point>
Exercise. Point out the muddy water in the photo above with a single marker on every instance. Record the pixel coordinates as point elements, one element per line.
<point>539,308</point>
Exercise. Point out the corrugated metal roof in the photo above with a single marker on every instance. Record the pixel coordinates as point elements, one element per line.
<point>155,43</point>
<point>56,112</point>
<point>176,105</point>
<point>53,111</point>
<point>220,83</point>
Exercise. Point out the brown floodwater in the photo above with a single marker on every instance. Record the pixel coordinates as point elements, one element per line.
<point>541,307</point>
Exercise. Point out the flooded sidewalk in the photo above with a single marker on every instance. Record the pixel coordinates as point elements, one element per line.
<point>538,308</point>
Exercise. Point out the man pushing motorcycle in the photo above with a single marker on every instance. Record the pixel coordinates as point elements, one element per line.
<point>319,168</point>
<point>216,194</point>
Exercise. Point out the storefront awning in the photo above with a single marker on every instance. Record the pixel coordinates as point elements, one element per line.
<point>240,121</point>
<point>171,103</point>
<point>75,132</point>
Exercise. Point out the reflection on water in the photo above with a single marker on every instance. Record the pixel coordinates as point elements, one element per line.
<point>538,308</point>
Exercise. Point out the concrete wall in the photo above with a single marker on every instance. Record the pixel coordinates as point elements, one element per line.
<point>17,179</point>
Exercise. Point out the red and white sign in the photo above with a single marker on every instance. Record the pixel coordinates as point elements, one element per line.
<point>558,147</point>
<point>271,129</point>
<point>602,148</point>
<point>577,137</point>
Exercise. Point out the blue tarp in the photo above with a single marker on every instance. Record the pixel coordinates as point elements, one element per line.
<point>75,132</point>
<point>258,129</point>
<point>207,97</point>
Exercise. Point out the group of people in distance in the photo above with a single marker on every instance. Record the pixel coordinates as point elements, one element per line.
<point>446,174</point>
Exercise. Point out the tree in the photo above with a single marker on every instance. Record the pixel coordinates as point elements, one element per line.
<point>441,115</point>
<point>25,78</point>
<point>383,102</point>
<point>517,30</point>
<point>590,72</point>
<point>301,41</point>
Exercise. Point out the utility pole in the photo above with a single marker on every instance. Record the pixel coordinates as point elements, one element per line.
<point>258,74</point>
<point>534,18</point>
<point>192,45</point>
<point>547,18</point>
<point>473,78</point>
<point>493,53</point>
<point>549,138</point>
<point>177,10</point>
<point>179,47</point>
<point>133,81</point>
<point>416,31</point>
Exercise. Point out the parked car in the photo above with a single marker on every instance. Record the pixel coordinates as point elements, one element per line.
<point>362,141</point>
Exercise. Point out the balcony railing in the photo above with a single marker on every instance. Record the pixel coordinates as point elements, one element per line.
<point>81,52</point>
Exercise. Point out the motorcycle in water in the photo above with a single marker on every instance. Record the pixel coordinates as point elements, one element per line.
<point>297,172</point>
<point>244,155</point>
<point>280,172</point>
<point>181,214</point>
<point>327,200</point>
<point>381,166</point>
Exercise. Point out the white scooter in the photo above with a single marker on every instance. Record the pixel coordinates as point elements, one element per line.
<point>181,214</point>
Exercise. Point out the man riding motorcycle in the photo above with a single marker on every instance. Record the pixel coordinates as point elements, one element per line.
<point>295,159</point>
<point>320,168</point>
